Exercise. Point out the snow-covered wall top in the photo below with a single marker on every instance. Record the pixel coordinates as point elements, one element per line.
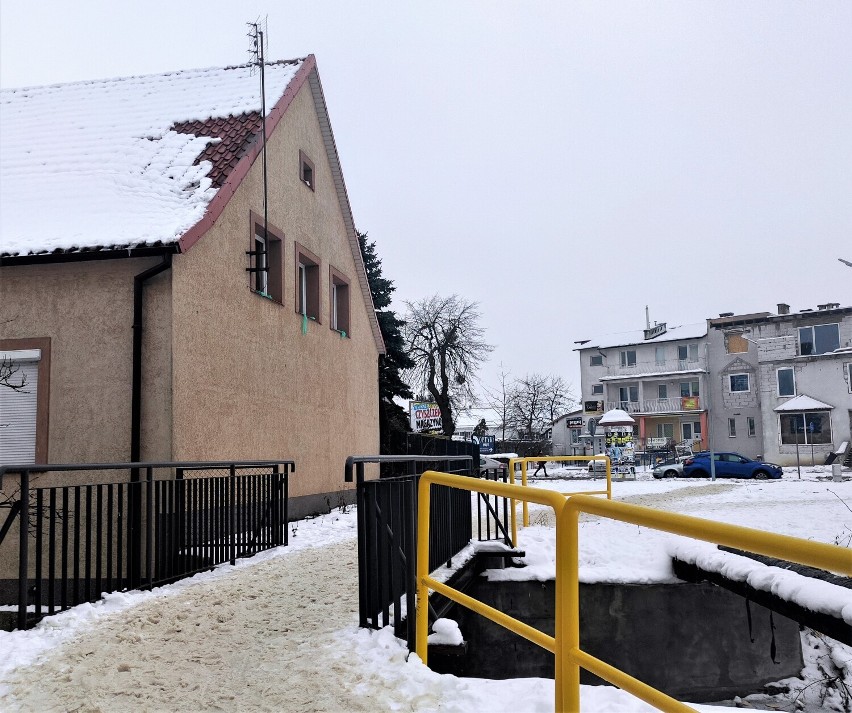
<point>98,164</point>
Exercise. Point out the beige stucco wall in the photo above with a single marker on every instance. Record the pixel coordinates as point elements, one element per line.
<point>86,308</point>
<point>247,382</point>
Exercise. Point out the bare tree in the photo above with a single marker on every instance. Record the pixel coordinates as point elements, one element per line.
<point>536,401</point>
<point>528,404</point>
<point>558,398</point>
<point>10,375</point>
<point>445,341</point>
<point>497,399</point>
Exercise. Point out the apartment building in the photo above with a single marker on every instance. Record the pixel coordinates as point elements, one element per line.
<point>783,383</point>
<point>657,375</point>
<point>773,386</point>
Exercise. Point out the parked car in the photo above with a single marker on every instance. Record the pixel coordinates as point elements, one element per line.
<point>729,465</point>
<point>672,468</point>
<point>486,463</point>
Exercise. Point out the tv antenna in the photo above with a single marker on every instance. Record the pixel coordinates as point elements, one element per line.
<point>257,37</point>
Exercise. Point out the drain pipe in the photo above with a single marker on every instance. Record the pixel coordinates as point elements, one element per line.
<point>136,395</point>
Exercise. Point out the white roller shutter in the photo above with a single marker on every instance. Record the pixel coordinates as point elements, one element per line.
<point>18,410</point>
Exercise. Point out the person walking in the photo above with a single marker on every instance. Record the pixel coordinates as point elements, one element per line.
<point>541,466</point>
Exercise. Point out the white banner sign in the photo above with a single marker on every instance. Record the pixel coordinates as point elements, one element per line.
<point>425,416</point>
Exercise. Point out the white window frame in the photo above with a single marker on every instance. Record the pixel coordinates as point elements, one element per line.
<point>662,388</point>
<point>660,355</point>
<point>732,428</point>
<point>813,327</point>
<point>751,426</point>
<point>625,359</point>
<point>303,288</point>
<point>21,434</point>
<point>597,389</point>
<point>661,430</point>
<point>739,391</point>
<point>849,377</point>
<point>595,356</point>
<point>692,391</point>
<point>778,380</point>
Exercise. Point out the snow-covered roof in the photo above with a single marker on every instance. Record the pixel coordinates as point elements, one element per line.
<point>803,402</point>
<point>108,164</point>
<point>616,417</point>
<point>626,339</point>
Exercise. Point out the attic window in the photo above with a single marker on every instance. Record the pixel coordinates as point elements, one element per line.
<point>306,170</point>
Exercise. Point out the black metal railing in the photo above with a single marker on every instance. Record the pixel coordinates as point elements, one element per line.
<point>156,523</point>
<point>387,533</point>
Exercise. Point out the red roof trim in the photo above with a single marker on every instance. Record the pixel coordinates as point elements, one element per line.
<point>235,178</point>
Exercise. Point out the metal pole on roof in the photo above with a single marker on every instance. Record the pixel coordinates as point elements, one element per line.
<point>260,61</point>
<point>709,414</point>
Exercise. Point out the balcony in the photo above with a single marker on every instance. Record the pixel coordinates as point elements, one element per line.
<point>645,369</point>
<point>682,403</point>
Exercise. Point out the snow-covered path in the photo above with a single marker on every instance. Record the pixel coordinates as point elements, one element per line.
<point>262,638</point>
<point>279,632</point>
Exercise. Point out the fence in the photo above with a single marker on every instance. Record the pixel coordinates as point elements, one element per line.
<point>565,644</point>
<point>591,460</point>
<point>387,533</point>
<point>79,540</point>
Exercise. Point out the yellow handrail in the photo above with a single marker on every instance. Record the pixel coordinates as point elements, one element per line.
<point>566,642</point>
<point>555,459</point>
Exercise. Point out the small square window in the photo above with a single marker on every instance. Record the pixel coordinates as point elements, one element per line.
<point>307,283</point>
<point>596,360</point>
<point>597,388</point>
<point>739,383</point>
<point>306,170</point>
<point>339,301</point>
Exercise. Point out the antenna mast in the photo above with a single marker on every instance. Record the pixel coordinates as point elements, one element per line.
<point>256,35</point>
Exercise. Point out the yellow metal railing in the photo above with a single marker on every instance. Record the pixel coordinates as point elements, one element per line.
<point>549,459</point>
<point>565,645</point>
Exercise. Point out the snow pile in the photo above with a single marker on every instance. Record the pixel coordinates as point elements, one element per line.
<point>814,594</point>
<point>446,632</point>
<point>96,163</point>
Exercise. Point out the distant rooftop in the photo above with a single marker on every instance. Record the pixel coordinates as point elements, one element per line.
<point>626,339</point>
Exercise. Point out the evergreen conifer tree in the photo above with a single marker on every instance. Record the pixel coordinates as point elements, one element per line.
<point>393,420</point>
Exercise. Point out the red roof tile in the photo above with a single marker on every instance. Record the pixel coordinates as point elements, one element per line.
<point>237,134</point>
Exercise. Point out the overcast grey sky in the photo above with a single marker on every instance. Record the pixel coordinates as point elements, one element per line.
<point>563,164</point>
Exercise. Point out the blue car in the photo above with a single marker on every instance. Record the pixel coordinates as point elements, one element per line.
<point>729,465</point>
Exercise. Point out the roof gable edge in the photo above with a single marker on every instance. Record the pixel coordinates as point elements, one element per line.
<point>240,171</point>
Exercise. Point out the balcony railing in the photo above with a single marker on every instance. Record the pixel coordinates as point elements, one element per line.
<point>681,403</point>
<point>654,368</point>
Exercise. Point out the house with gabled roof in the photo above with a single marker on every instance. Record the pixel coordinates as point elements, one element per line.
<point>170,290</point>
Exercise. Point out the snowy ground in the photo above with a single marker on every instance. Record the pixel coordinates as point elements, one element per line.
<point>279,632</point>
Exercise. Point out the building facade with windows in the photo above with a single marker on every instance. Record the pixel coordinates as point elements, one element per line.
<point>658,375</point>
<point>173,295</point>
<point>783,383</point>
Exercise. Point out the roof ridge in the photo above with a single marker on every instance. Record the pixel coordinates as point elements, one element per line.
<point>108,80</point>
